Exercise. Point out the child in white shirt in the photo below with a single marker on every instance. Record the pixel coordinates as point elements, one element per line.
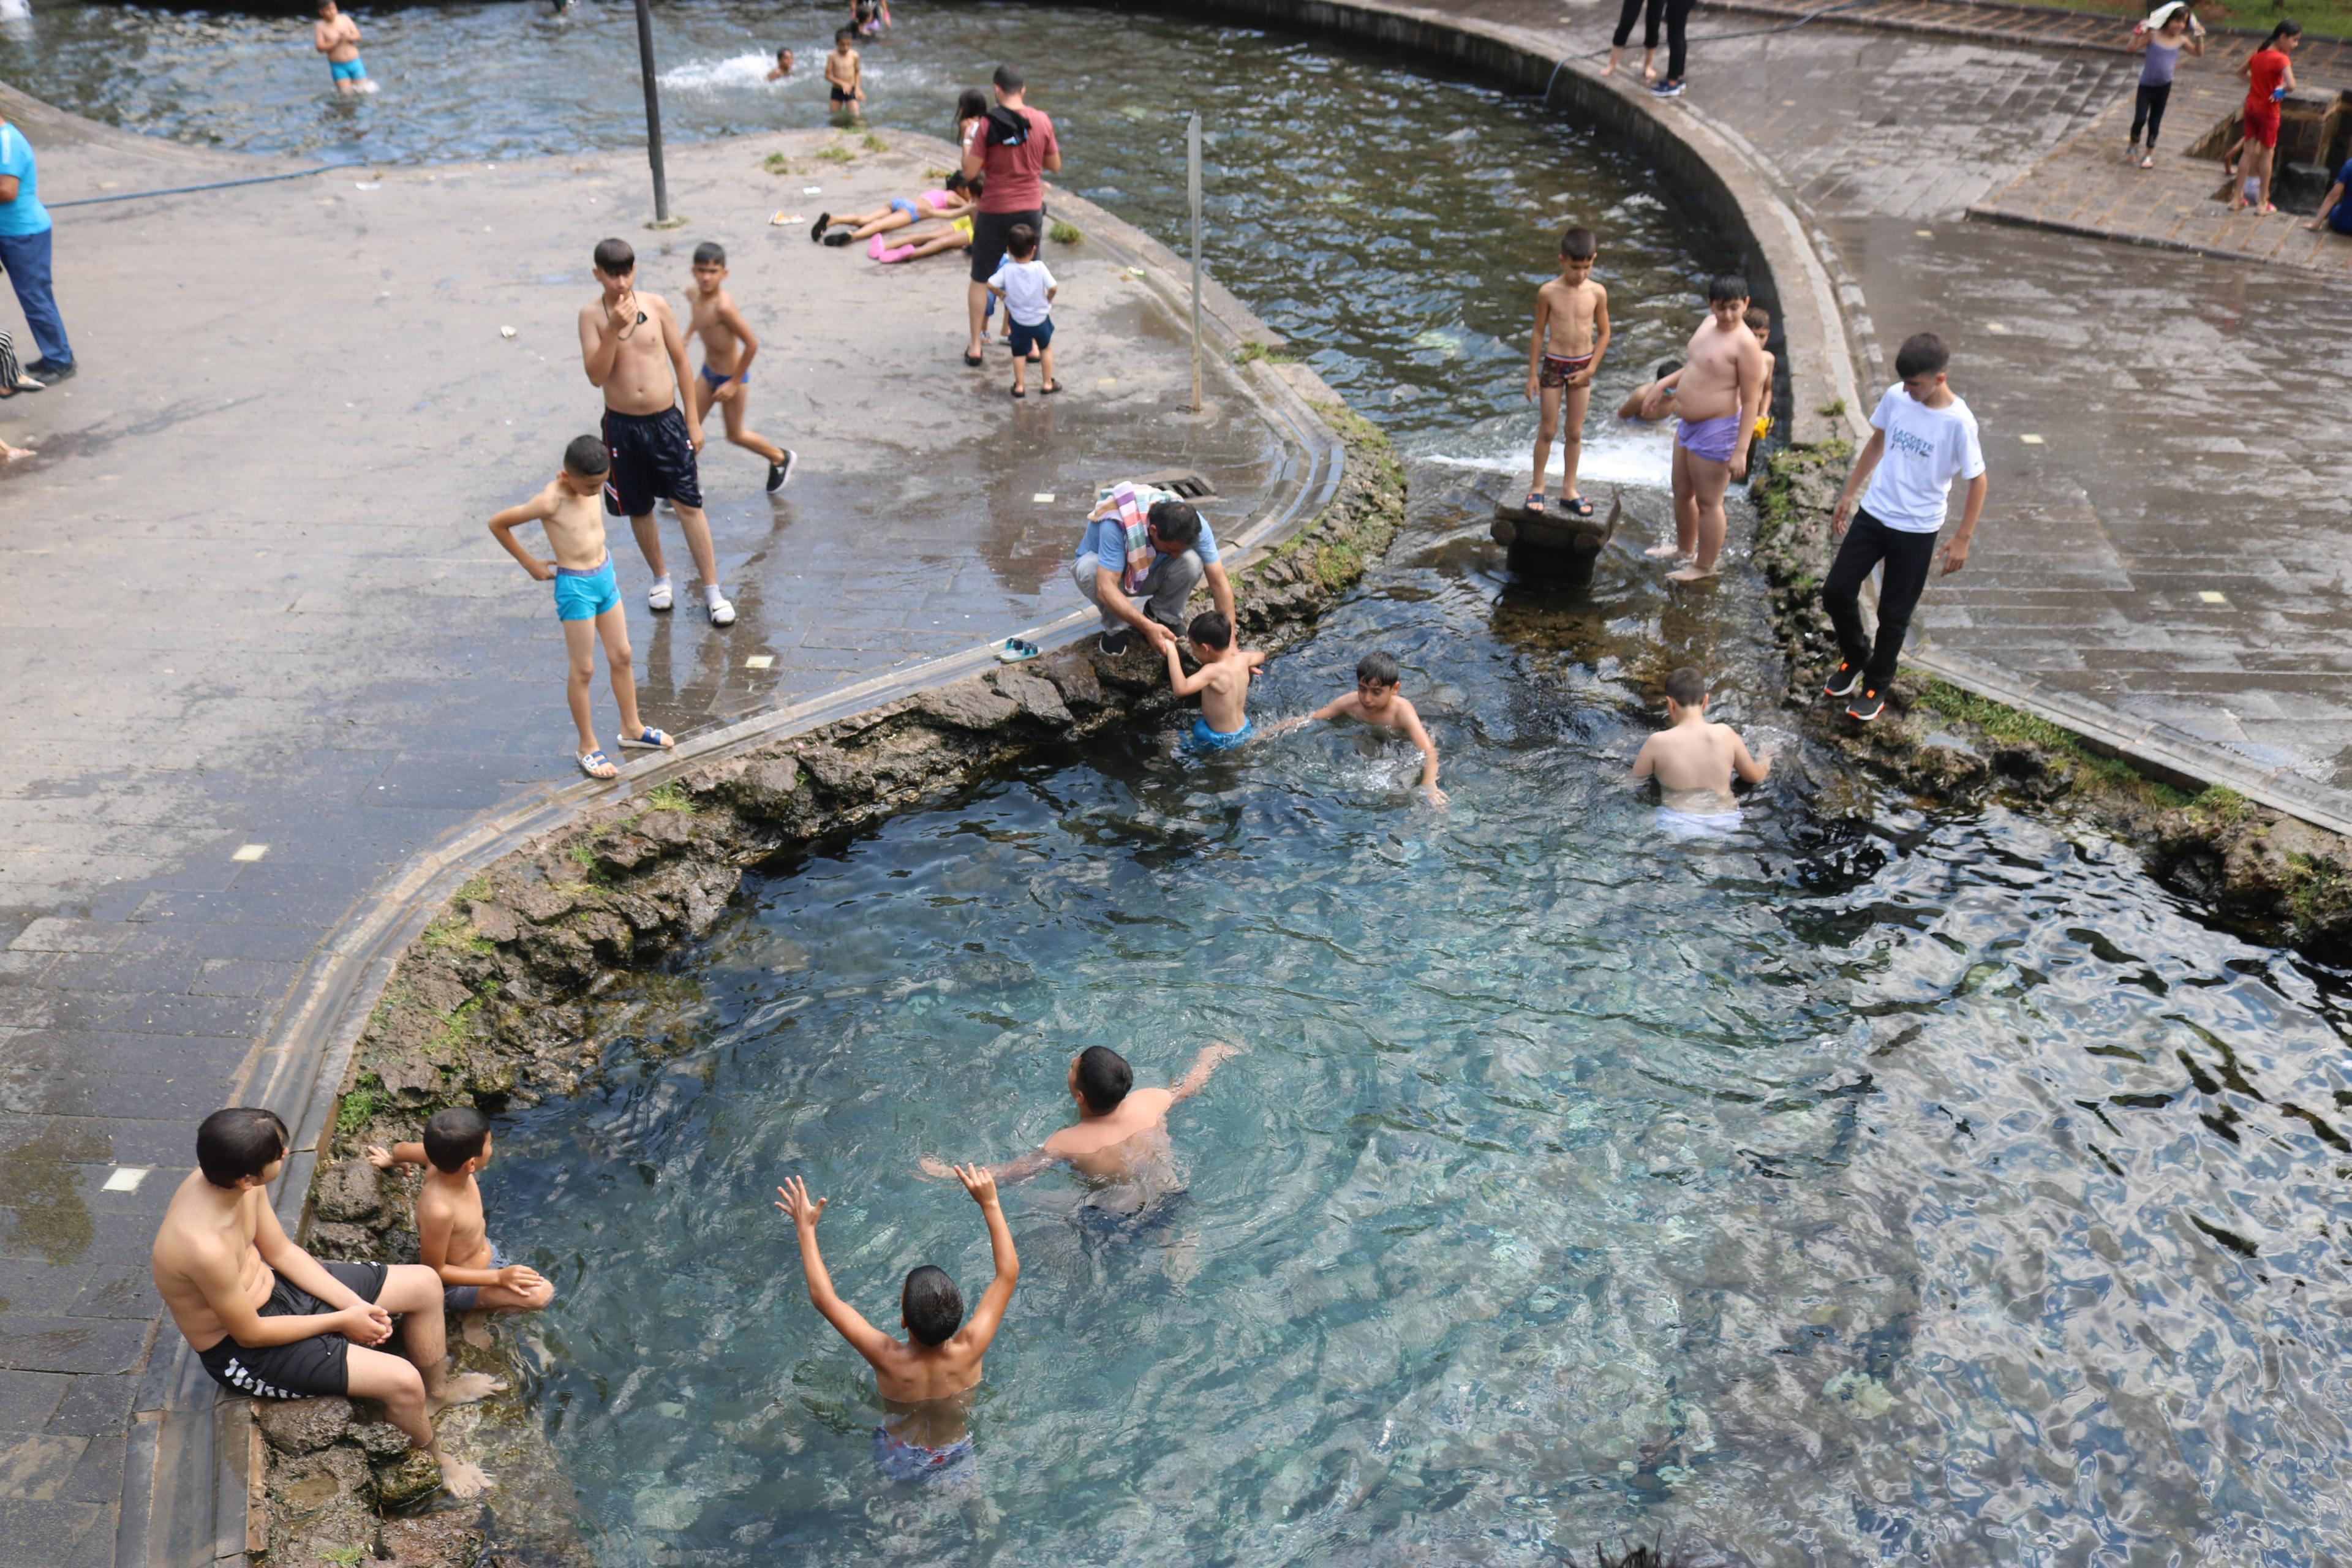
<point>1027,289</point>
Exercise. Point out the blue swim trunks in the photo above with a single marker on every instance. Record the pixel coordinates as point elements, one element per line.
<point>1207,740</point>
<point>461,1297</point>
<point>1027,338</point>
<point>903,1461</point>
<point>715,379</point>
<point>353,69</point>
<point>584,595</point>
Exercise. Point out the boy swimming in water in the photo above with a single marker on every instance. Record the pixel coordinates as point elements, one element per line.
<point>1223,681</point>
<point>783,66</point>
<point>925,1434</point>
<point>1571,334</point>
<point>1375,701</point>
<point>452,1239</point>
<point>337,37</point>
<point>1120,1143</point>
<point>728,347</point>
<point>1694,762</point>
<point>587,599</point>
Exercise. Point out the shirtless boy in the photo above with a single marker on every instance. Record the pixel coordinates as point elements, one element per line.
<point>846,76</point>
<point>782,68</point>
<point>728,348</point>
<point>1375,701</point>
<point>926,1382</point>
<point>587,598</point>
<point>631,347</point>
<point>1571,334</point>
<point>265,1317</point>
<point>1120,1143</point>
<point>451,1237</point>
<point>1223,681</point>
<point>337,37</point>
<point>1694,762</point>
<point>1654,399</point>
<point>1718,394</point>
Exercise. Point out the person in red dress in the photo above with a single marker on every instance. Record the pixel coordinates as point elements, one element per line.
<point>2269,76</point>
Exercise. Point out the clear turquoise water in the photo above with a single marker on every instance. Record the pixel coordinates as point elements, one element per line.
<point>1881,1186</point>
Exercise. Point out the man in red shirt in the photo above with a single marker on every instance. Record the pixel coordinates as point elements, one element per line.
<point>1014,147</point>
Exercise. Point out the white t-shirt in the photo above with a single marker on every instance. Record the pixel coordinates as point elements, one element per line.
<point>1025,284</point>
<point>1927,449</point>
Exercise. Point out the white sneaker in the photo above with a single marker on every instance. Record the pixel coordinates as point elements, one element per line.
<point>658,597</point>
<point>722,613</point>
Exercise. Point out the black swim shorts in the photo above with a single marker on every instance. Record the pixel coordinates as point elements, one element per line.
<point>988,238</point>
<point>315,1365</point>
<point>651,459</point>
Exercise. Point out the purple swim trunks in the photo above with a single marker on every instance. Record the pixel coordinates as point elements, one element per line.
<point>1713,439</point>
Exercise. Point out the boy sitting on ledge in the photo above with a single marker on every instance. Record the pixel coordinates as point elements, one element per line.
<point>451,1239</point>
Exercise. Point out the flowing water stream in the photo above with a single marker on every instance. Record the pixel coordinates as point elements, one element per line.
<point>1874,1185</point>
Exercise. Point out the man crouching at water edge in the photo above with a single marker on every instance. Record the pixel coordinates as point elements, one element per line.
<point>926,1382</point>
<point>1120,1143</point>
<point>265,1317</point>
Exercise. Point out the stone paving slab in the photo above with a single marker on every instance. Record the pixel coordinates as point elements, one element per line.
<point>259,605</point>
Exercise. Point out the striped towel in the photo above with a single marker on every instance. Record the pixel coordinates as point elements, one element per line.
<point>1134,504</point>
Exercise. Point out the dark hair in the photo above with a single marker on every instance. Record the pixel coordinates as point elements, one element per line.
<point>1211,629</point>
<point>932,1305</point>
<point>587,458</point>
<point>1175,522</point>
<point>709,252</point>
<point>844,35</point>
<point>956,180</point>
<point>454,1136</point>
<point>614,258</point>
<point>1686,687</point>
<point>237,1142</point>
<point>1578,244</point>
<point>783,51</point>
<point>1667,367</point>
<point>970,104</point>
<point>1640,1557</point>
<point>2287,29</point>
<point>1922,353</point>
<point>1378,668</point>
<point>1726,286</point>
<point>1759,319</point>
<point>1007,80</point>
<point>1103,1078</point>
<point>1021,241</point>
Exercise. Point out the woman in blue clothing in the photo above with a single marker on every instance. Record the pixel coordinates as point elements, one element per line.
<point>24,252</point>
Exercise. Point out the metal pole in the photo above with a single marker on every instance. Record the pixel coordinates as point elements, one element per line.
<point>653,112</point>
<point>1192,189</point>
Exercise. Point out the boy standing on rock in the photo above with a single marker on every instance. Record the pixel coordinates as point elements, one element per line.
<point>1720,394</point>
<point>631,347</point>
<point>1563,356</point>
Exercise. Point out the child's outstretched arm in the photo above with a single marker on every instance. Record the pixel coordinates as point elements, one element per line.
<point>502,528</point>
<point>863,1337</point>
<point>1183,685</point>
<point>1019,1169</point>
<point>984,1319</point>
<point>1196,1077</point>
<point>1749,770</point>
<point>384,1158</point>
<point>1323,715</point>
<point>1419,735</point>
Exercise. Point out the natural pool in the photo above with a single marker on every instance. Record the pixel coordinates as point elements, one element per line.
<point>1880,1186</point>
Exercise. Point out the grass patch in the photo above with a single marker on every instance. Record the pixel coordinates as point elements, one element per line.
<point>837,153</point>
<point>358,1107</point>
<point>2219,805</point>
<point>672,796</point>
<point>2320,888</point>
<point>582,855</point>
<point>2320,18</point>
<point>1253,351</point>
<point>2002,722</point>
<point>1063,232</point>
<point>1833,410</point>
<point>873,143</point>
<point>776,163</point>
<point>478,888</point>
<point>455,933</point>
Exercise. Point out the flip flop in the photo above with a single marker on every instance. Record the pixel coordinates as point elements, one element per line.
<point>973,359</point>
<point>1019,391</point>
<point>1015,650</point>
<point>596,765</point>
<point>824,221</point>
<point>1577,506</point>
<point>1534,503</point>
<point>1050,388</point>
<point>650,740</point>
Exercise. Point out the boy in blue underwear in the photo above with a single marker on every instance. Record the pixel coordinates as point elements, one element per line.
<point>452,1239</point>
<point>587,598</point>
<point>337,37</point>
<point>1223,681</point>
<point>728,349</point>
<point>926,1382</point>
<point>1694,762</point>
<point>1720,394</point>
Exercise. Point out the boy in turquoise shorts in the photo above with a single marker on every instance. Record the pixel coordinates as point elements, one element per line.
<point>587,597</point>
<point>337,37</point>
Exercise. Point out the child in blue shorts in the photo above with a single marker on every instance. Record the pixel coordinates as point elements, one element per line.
<point>587,598</point>
<point>1222,682</point>
<point>1027,289</point>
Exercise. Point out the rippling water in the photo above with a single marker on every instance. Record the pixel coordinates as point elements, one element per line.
<point>1909,1188</point>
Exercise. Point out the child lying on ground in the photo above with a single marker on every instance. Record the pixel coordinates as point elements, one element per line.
<point>958,198</point>
<point>1375,701</point>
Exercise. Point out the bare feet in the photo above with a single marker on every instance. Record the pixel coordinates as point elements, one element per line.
<point>18,454</point>
<point>1667,552</point>
<point>465,1387</point>
<point>463,1478</point>
<point>1690,573</point>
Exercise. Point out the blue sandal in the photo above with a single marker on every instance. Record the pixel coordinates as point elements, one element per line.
<point>649,739</point>
<point>597,766</point>
<point>1015,650</point>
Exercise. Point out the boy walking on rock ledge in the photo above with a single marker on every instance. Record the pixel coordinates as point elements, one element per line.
<point>1922,438</point>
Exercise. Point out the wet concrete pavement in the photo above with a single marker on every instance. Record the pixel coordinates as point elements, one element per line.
<point>257,606</point>
<point>2162,535</point>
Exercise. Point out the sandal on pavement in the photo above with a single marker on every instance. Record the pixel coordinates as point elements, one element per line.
<point>596,765</point>
<point>650,740</point>
<point>1019,392</point>
<point>969,358</point>
<point>657,598</point>
<point>1050,388</point>
<point>722,613</point>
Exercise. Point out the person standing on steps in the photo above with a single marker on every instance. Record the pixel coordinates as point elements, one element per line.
<point>24,252</point>
<point>1922,438</point>
<point>1678,46</point>
<point>2170,31</point>
<point>1015,149</point>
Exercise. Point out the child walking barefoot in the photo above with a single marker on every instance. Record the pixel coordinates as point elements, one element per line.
<point>1571,334</point>
<point>587,599</point>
